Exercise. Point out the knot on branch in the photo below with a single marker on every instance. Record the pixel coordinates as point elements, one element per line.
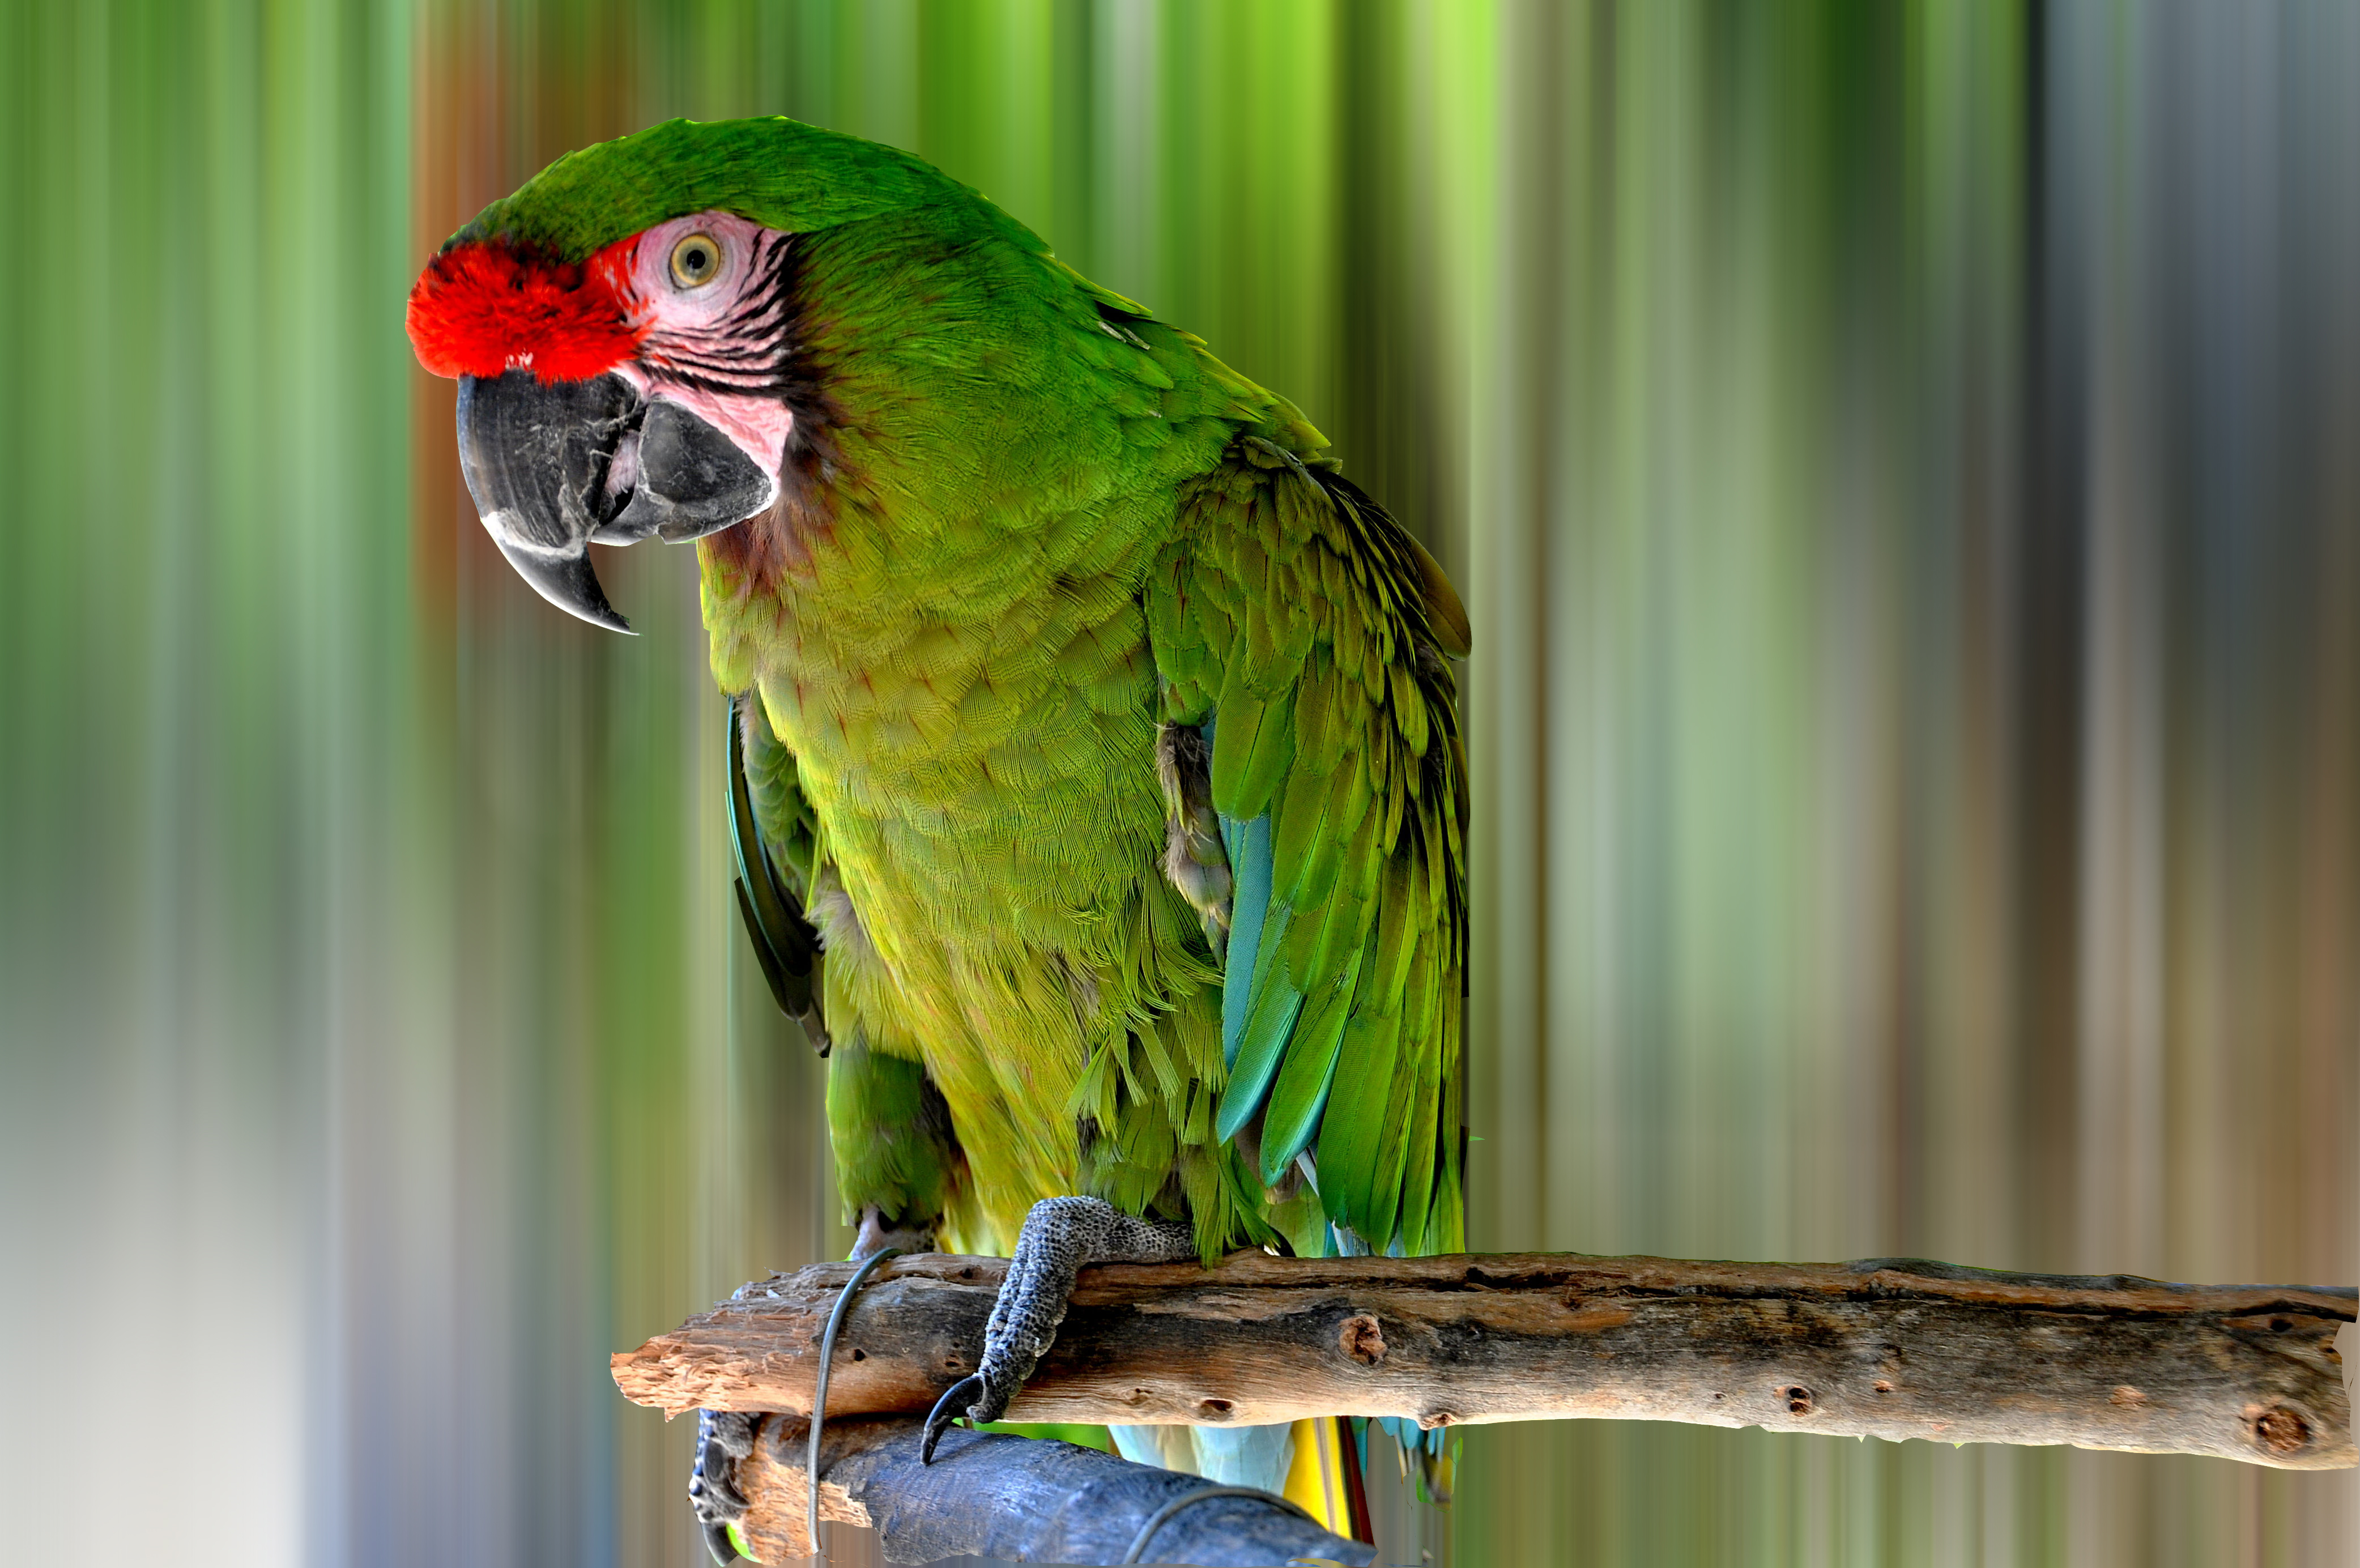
<point>2281,1431</point>
<point>1362,1339</point>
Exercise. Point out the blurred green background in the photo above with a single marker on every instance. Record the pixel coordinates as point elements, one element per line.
<point>1904,463</point>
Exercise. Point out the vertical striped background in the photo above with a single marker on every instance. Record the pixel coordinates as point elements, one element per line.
<point>1901,459</point>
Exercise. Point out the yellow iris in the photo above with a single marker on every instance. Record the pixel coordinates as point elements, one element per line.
<point>695,261</point>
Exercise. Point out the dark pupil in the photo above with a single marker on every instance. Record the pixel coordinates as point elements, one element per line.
<point>696,260</point>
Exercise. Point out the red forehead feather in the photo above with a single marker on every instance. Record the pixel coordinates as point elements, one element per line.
<point>480,309</point>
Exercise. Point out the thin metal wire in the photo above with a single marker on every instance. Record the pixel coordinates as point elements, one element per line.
<point>1155,1521</point>
<point>819,1388</point>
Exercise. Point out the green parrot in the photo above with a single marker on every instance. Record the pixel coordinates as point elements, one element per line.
<point>1098,789</point>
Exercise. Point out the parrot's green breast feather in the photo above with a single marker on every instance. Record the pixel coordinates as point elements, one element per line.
<point>777,171</point>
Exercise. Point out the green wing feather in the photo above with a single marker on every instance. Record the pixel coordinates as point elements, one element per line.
<point>1297,622</point>
<point>772,834</point>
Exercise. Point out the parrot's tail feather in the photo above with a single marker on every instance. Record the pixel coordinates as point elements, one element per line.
<point>1324,1481</point>
<point>1431,1456</point>
<point>1315,1464</point>
<point>1256,1456</point>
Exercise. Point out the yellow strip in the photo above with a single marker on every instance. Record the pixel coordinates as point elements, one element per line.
<point>1315,1477</point>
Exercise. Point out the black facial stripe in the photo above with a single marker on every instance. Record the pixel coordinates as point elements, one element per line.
<point>747,351</point>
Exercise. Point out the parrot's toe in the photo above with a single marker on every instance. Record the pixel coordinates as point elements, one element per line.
<point>878,1233</point>
<point>1060,1236</point>
<point>723,1438</point>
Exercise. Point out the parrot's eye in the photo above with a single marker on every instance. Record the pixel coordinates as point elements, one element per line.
<point>695,261</point>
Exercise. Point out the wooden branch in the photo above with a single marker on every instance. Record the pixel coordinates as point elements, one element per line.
<point>1005,1497</point>
<point>1890,1347</point>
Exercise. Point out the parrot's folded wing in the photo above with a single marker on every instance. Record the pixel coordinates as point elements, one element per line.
<point>1308,634</point>
<point>770,834</point>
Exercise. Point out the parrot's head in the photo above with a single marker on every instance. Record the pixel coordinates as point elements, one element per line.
<point>625,331</point>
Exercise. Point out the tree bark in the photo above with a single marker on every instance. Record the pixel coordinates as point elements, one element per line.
<point>1007,1498</point>
<point>1890,1347</point>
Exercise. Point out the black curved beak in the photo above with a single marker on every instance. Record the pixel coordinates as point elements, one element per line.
<point>553,466</point>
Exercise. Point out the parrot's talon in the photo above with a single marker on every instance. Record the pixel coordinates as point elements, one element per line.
<point>723,1438</point>
<point>948,1409</point>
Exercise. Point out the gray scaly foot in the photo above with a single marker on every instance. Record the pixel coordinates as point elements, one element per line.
<point>1060,1236</point>
<point>723,1438</point>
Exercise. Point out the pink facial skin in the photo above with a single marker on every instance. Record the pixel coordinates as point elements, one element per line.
<point>716,349</point>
